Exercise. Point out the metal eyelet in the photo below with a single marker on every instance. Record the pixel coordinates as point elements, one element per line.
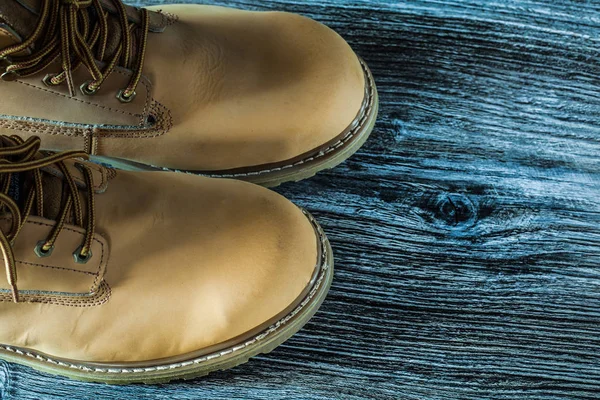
<point>80,167</point>
<point>39,249</point>
<point>48,80</point>
<point>79,258</point>
<point>151,120</point>
<point>5,61</point>
<point>9,76</point>
<point>85,89</point>
<point>124,99</point>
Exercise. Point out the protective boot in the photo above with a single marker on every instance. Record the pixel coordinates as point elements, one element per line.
<point>267,97</point>
<point>120,276</point>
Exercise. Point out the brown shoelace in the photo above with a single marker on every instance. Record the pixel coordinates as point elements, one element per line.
<point>24,157</point>
<point>66,29</point>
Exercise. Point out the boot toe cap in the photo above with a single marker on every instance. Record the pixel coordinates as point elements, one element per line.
<point>266,87</point>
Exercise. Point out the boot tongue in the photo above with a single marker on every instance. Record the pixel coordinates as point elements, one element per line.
<point>19,16</point>
<point>23,15</point>
<point>52,192</point>
<point>33,6</point>
<point>22,182</point>
<point>16,187</point>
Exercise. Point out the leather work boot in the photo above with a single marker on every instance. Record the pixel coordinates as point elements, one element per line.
<point>262,96</point>
<point>121,276</point>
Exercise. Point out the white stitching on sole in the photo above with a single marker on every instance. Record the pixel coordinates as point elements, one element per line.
<point>273,329</point>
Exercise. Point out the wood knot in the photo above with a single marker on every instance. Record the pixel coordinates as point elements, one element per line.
<point>454,210</point>
<point>390,134</point>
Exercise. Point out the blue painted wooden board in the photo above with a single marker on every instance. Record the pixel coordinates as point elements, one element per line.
<point>466,231</point>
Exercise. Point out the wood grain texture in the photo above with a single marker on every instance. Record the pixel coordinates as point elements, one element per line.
<point>467,230</point>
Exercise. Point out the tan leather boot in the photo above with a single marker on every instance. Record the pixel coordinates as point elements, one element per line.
<point>118,276</point>
<point>262,96</point>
